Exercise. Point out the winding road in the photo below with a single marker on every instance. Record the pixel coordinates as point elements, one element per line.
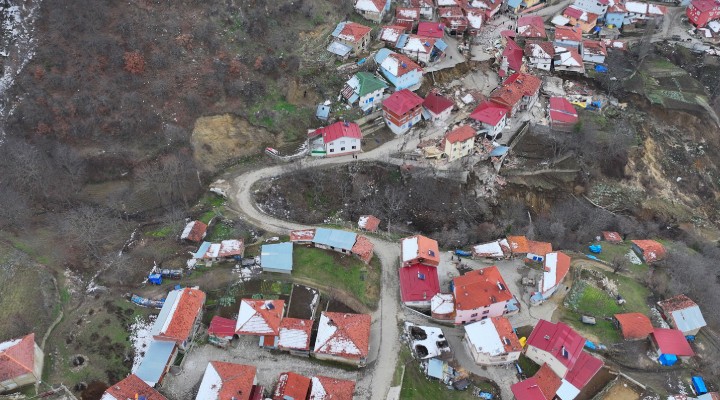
<point>384,345</point>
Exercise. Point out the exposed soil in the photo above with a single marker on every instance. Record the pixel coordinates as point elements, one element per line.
<point>622,391</point>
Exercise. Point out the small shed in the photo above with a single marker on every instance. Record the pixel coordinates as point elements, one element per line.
<point>221,330</point>
<point>277,257</point>
<point>369,223</point>
<point>699,385</point>
<point>323,112</point>
<point>634,326</point>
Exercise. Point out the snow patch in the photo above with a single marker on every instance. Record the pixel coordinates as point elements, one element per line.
<point>140,337</point>
<point>633,258</point>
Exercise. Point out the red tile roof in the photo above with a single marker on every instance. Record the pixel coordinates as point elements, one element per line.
<point>562,111</point>
<point>461,134</point>
<point>514,88</point>
<point>271,316</point>
<point>338,130</point>
<point>546,47</point>
<point>594,47</point>
<point>418,283</point>
<point>18,359</point>
<point>353,31</point>
<point>518,244</point>
<point>676,303</point>
<point>506,331</point>
<point>326,388</point>
<point>488,113</point>
<point>427,250</point>
<point>652,250</point>
<point>402,102</point>
<point>573,12</point>
<point>634,325</point>
<point>554,337</point>
<point>529,389</point>
<point>237,380</point>
<point>705,5</point>
<point>569,33</point>
<point>292,326</point>
<point>197,232</point>
<point>371,224</point>
<point>531,26</point>
<point>672,341</point>
<point>612,237</point>
<point>547,381</point>
<point>292,386</point>
<point>405,64</point>
<point>514,56</point>
<point>363,248</point>
<point>431,29</point>
<point>539,248</point>
<point>584,369</point>
<point>353,328</point>
<point>302,235</point>
<point>436,103</point>
<point>183,318</point>
<point>131,387</point>
<point>221,327</point>
<point>480,288</point>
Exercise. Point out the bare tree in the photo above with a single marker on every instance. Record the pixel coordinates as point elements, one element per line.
<point>90,228</point>
<point>619,264</point>
<point>393,202</point>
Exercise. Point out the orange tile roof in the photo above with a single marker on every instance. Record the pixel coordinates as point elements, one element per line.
<point>363,248</point>
<point>290,333</point>
<point>302,235</point>
<point>505,331</point>
<point>237,380</point>
<point>514,88</point>
<point>292,385</point>
<point>518,244</point>
<point>480,288</point>
<point>372,223</point>
<point>652,250</point>
<point>405,64</point>
<point>354,32</point>
<point>612,237</point>
<point>634,325</point>
<point>428,251</point>
<point>18,359</point>
<point>548,382</point>
<point>326,388</point>
<point>539,248</point>
<point>675,303</point>
<point>354,328</point>
<point>197,233</point>
<point>188,307</point>
<point>460,134</point>
<point>133,386</point>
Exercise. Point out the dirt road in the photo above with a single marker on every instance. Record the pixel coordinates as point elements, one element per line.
<point>384,337</point>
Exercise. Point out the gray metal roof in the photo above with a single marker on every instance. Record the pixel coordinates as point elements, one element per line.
<point>688,319</point>
<point>156,359</point>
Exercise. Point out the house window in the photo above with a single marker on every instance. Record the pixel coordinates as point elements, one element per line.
<point>332,150</point>
<point>354,147</point>
<point>486,311</point>
<point>342,149</point>
<point>473,315</point>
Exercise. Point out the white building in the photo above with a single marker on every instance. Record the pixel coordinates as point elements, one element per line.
<point>492,341</point>
<point>338,139</point>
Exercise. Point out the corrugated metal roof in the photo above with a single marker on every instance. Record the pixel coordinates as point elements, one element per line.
<point>441,45</point>
<point>166,311</point>
<point>156,359</point>
<point>202,250</point>
<point>339,48</point>
<point>335,238</point>
<point>277,256</point>
<point>688,319</point>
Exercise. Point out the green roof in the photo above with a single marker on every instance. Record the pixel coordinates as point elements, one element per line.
<point>368,83</point>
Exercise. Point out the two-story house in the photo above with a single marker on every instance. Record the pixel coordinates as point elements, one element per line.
<point>349,38</point>
<point>492,341</point>
<point>459,142</point>
<point>338,139</point>
<point>492,117</point>
<point>402,110</point>
<point>480,294</point>
<point>366,90</point>
<point>399,70</point>
<point>373,10</point>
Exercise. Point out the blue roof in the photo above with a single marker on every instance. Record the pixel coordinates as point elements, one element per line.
<point>338,29</point>
<point>402,40</point>
<point>156,359</point>
<point>441,45</point>
<point>202,250</point>
<point>277,256</point>
<point>335,238</point>
<point>514,3</point>
<point>499,151</point>
<point>339,48</point>
<point>323,111</point>
<point>435,368</point>
<point>382,54</point>
<point>165,311</point>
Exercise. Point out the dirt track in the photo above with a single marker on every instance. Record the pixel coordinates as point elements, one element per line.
<point>384,335</point>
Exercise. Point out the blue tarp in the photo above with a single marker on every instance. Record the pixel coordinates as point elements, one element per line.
<point>595,248</point>
<point>668,359</point>
<point>590,345</point>
<point>512,305</point>
<point>435,368</point>
<point>335,238</point>
<point>463,253</point>
<point>157,357</point>
<point>592,257</point>
<point>699,385</point>
<point>441,45</point>
<point>277,257</point>
<point>155,279</point>
<point>499,151</point>
<point>601,68</point>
